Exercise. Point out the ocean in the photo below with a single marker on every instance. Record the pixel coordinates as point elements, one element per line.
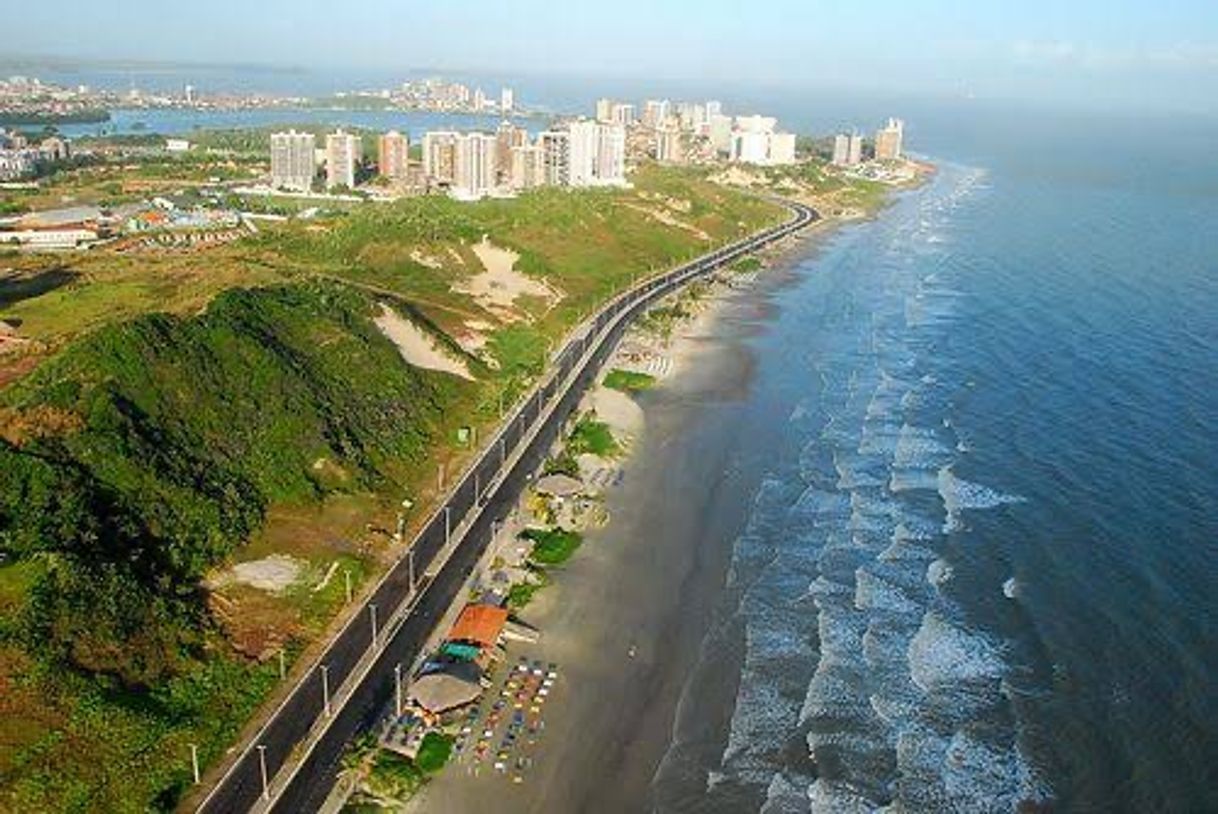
<point>979,571</point>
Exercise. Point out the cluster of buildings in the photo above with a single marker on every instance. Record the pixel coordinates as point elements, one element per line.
<point>296,158</point>
<point>441,96</point>
<point>578,153</point>
<point>698,132</point>
<point>848,147</point>
<point>21,158</point>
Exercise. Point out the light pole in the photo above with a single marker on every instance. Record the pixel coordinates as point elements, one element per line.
<point>194,761</point>
<point>372,614</point>
<point>347,579</point>
<point>448,524</point>
<point>397,689</point>
<point>266,786</point>
<point>410,566</point>
<point>283,667</point>
<point>325,687</point>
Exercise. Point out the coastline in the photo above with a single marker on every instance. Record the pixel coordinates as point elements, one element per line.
<point>625,618</point>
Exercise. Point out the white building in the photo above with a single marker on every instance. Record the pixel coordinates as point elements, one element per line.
<point>342,155</point>
<point>507,100</point>
<point>293,161</point>
<point>583,141</point>
<point>756,124</point>
<point>610,155</point>
<point>847,149</point>
<point>604,110</point>
<point>720,132</point>
<point>476,168</point>
<point>656,112</point>
<point>668,146</point>
<point>623,114</point>
<point>763,149</point>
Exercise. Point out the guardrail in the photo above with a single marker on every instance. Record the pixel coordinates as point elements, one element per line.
<point>351,681</point>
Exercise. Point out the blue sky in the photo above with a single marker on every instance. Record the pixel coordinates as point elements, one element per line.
<point>1150,54</point>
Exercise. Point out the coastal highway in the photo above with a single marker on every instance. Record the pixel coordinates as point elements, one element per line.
<point>358,666</point>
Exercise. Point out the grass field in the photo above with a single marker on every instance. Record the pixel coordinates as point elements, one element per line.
<point>629,381</point>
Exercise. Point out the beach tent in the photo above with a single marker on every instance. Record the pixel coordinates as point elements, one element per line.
<point>452,685</point>
<point>559,485</point>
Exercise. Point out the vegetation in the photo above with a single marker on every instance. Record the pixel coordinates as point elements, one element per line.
<point>552,546</point>
<point>629,381</point>
<point>434,752</point>
<point>593,437</point>
<point>746,265</point>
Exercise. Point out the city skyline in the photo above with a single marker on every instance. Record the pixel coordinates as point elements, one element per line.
<point>1143,58</point>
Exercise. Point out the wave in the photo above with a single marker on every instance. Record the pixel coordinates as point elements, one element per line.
<point>960,495</point>
<point>942,654</point>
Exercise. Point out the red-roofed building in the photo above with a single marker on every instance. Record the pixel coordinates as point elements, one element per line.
<point>480,625</point>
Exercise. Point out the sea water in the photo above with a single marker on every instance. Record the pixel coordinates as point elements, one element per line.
<point>980,571</point>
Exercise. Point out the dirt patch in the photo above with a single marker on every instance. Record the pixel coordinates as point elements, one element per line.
<point>273,574</point>
<point>417,347</point>
<point>666,218</point>
<point>498,287</point>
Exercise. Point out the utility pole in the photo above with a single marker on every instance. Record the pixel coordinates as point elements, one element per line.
<point>194,761</point>
<point>397,689</point>
<point>325,687</point>
<point>266,786</point>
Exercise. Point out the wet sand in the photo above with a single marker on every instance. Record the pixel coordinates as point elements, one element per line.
<point>649,581</point>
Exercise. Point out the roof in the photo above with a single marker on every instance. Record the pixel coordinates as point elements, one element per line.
<point>460,651</point>
<point>560,485</point>
<point>480,624</point>
<point>453,685</point>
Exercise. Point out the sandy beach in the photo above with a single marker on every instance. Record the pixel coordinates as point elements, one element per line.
<point>625,618</point>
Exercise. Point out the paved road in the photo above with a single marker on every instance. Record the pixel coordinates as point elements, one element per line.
<point>479,500</point>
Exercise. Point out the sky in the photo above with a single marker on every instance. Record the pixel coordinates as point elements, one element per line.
<point>1159,55</point>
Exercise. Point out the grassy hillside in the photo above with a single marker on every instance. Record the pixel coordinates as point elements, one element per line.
<point>187,412</point>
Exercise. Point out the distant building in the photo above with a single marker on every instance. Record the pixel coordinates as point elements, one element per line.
<point>764,149</point>
<point>610,167</point>
<point>393,156</point>
<point>604,110</point>
<point>527,168</point>
<point>176,145</point>
<point>507,138</point>
<point>479,100</point>
<point>293,161</point>
<point>713,109</point>
<point>756,124</point>
<point>622,114</point>
<point>656,112</point>
<point>668,146</point>
<point>342,155</point>
<point>888,140</point>
<point>507,100</point>
<point>720,132</point>
<point>781,149</point>
<point>440,156</point>
<point>555,147</point>
<point>54,148</point>
<point>847,149</point>
<point>583,138</point>
<point>476,169</point>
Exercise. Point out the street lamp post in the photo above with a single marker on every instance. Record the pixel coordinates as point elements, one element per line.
<point>194,761</point>
<point>397,689</point>
<point>325,687</point>
<point>266,786</point>
<point>372,614</point>
<point>448,525</point>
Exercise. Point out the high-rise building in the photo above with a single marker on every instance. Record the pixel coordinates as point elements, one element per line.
<point>527,168</point>
<point>342,156</point>
<point>292,161</point>
<point>720,131</point>
<point>847,149</point>
<point>756,124</point>
<point>610,155</point>
<point>507,137</point>
<point>763,148</point>
<point>713,109</point>
<point>623,114</point>
<point>604,110</point>
<point>656,112</point>
<point>393,157</point>
<point>668,146</point>
<point>888,140</point>
<point>479,100</point>
<point>507,100</point>
<point>583,139</point>
<point>475,171</point>
<point>440,156</point>
<point>555,147</point>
